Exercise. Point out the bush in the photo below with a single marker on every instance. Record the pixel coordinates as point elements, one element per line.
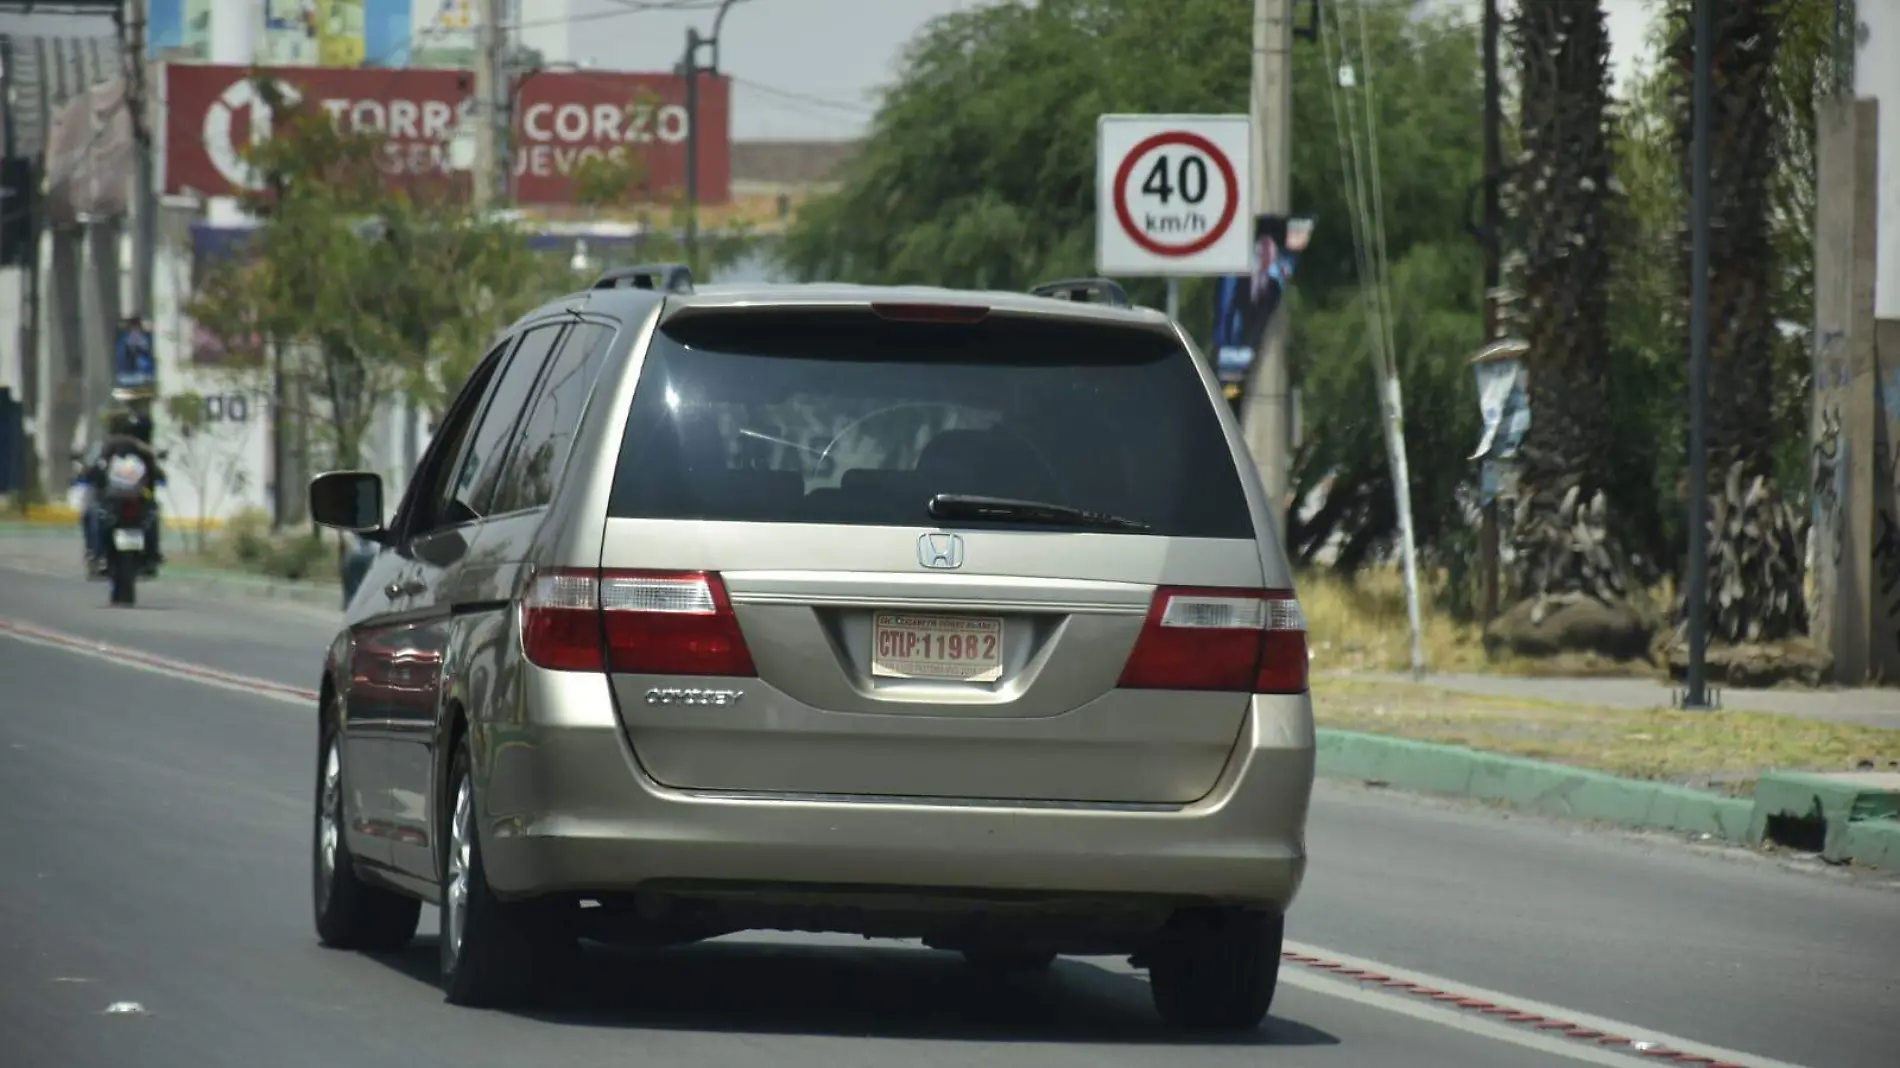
<point>249,544</point>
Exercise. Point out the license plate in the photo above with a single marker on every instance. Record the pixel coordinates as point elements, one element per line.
<point>128,540</point>
<point>957,648</point>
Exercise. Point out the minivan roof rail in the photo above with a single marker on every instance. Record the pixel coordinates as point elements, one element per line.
<point>672,277</point>
<point>1084,291</point>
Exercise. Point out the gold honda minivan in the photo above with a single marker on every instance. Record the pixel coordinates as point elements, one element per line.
<point>914,613</point>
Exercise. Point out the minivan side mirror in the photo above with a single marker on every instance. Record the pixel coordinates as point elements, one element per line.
<point>349,500</point>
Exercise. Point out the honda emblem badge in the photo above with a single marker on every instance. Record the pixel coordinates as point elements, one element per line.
<point>942,552</point>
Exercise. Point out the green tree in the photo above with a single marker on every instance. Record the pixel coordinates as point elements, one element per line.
<point>1566,202</point>
<point>353,292</point>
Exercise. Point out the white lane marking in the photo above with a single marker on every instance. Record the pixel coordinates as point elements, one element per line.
<point>1309,980</point>
<point>1290,972</point>
<point>125,1008</point>
<point>123,656</point>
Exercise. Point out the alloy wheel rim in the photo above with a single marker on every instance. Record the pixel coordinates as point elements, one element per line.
<point>330,816</point>
<point>460,850</point>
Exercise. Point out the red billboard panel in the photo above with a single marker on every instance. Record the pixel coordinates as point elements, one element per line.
<point>213,112</point>
<point>563,118</point>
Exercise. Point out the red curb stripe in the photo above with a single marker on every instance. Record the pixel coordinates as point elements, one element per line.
<point>1537,1021</point>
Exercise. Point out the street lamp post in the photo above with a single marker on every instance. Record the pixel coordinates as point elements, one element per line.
<point>690,68</point>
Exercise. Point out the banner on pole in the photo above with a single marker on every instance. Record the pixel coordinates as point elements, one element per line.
<point>1244,304</point>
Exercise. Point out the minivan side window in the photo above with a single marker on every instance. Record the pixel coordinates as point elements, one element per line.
<point>539,453</point>
<point>482,457</point>
<point>424,506</point>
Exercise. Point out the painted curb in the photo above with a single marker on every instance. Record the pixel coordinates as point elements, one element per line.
<point>1534,785</point>
<point>1838,803</point>
<point>1875,843</point>
<point>1853,833</point>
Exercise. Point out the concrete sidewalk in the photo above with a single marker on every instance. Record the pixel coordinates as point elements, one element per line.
<point>1868,706</point>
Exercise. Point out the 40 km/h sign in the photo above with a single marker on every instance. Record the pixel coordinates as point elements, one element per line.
<point>1169,195</point>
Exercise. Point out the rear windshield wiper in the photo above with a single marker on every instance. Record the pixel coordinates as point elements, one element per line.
<point>971,506</point>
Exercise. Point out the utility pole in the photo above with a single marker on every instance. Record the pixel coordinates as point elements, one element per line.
<point>1489,547</point>
<point>138,99</point>
<point>690,70</point>
<point>488,109</point>
<point>1697,591</point>
<point>1268,420</point>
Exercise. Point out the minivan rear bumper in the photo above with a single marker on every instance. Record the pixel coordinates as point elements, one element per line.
<point>566,808</point>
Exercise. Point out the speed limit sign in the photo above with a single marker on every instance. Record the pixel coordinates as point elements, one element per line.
<point>1170,191</point>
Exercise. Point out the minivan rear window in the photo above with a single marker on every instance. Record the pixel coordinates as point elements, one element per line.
<point>827,417</point>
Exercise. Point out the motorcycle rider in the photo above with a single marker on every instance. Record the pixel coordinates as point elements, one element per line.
<point>128,433</point>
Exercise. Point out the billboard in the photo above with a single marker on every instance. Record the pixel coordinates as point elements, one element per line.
<point>329,33</point>
<point>562,119</point>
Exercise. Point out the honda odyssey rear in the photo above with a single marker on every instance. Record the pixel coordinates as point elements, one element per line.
<point>925,614</point>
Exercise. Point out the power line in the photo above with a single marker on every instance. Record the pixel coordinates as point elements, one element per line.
<point>790,94</point>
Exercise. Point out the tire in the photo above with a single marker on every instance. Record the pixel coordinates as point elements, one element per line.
<point>125,578</point>
<point>350,913</point>
<point>1216,969</point>
<point>1008,961</point>
<point>494,953</point>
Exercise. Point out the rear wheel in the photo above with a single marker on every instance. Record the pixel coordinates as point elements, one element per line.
<point>1216,969</point>
<point>1008,961</point>
<point>493,951</point>
<point>350,913</point>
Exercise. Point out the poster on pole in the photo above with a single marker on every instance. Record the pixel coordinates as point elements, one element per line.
<point>1169,192</point>
<point>1245,303</point>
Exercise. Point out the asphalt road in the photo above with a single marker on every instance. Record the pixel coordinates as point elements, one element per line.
<point>154,852</point>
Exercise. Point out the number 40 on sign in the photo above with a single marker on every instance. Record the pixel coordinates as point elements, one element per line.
<point>1169,195</point>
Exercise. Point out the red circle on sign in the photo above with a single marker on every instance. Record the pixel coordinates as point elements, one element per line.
<point>1205,147</point>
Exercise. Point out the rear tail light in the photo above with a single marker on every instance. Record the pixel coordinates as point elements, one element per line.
<point>1248,641</point>
<point>637,622</point>
<point>130,507</point>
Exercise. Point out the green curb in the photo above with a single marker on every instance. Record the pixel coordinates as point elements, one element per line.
<point>1838,802</point>
<point>1862,821</point>
<point>1875,843</point>
<point>1535,785</point>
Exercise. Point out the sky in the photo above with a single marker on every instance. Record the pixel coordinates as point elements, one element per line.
<point>803,69</point>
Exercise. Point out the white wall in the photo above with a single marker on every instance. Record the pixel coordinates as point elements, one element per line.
<point>226,469</point>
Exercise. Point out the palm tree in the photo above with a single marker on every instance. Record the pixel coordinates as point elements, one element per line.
<point>1564,199</point>
<point>1755,539</point>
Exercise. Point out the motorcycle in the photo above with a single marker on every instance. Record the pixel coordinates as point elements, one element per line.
<point>123,509</point>
<point>126,513</point>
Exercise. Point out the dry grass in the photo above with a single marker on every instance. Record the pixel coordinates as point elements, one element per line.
<point>1361,625</point>
<point>1720,750</point>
